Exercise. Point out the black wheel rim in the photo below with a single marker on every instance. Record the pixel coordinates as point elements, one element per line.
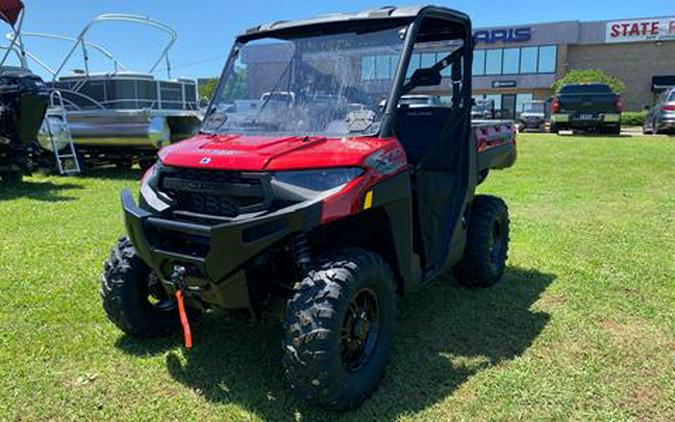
<point>360,330</point>
<point>497,244</point>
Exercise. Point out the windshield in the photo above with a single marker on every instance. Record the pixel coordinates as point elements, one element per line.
<point>306,86</point>
<point>586,88</point>
<point>533,108</point>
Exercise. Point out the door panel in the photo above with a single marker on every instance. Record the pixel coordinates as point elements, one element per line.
<point>508,106</point>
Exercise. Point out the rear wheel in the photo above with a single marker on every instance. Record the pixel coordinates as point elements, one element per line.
<point>11,178</point>
<point>487,243</point>
<point>646,130</point>
<point>132,295</point>
<point>124,164</point>
<point>339,325</point>
<point>610,130</point>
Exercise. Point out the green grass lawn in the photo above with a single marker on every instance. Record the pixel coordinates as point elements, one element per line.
<point>582,327</point>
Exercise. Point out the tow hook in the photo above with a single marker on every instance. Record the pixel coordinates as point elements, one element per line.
<point>178,280</point>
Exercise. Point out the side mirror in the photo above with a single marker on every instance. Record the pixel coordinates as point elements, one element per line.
<point>426,77</point>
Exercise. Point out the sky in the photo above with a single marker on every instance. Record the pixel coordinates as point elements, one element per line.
<point>206,28</point>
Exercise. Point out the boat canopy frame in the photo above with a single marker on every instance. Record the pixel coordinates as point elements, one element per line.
<point>12,12</point>
<point>82,43</point>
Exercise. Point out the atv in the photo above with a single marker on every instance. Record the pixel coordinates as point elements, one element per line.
<point>332,205</point>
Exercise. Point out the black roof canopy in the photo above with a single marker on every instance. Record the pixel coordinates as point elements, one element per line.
<point>372,18</point>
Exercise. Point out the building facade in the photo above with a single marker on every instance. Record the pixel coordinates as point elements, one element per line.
<point>513,65</point>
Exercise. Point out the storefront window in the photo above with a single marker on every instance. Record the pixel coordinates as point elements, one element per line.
<point>368,68</point>
<point>547,59</point>
<point>521,99</point>
<point>479,62</point>
<point>493,62</point>
<point>507,61</point>
<point>497,98</point>
<point>383,67</point>
<point>414,64</point>
<point>447,72</point>
<point>528,60</point>
<point>428,60</point>
<point>511,61</point>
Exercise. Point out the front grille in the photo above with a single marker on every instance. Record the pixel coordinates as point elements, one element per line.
<point>215,192</point>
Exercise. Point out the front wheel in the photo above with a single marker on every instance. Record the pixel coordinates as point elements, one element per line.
<point>339,325</point>
<point>132,295</point>
<point>487,243</point>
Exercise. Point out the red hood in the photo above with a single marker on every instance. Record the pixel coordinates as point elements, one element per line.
<point>257,153</point>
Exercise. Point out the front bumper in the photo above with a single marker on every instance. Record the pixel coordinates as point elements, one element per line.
<point>533,123</point>
<point>212,254</point>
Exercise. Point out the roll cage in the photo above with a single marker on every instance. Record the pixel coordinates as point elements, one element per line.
<point>422,24</point>
<point>441,152</point>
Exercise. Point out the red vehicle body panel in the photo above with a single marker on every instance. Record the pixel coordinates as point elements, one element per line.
<point>9,10</point>
<point>284,153</point>
<point>269,153</point>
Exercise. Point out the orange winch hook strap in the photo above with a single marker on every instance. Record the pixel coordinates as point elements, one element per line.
<point>184,320</point>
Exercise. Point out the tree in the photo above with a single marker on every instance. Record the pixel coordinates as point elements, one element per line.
<point>236,87</point>
<point>577,76</point>
<point>207,89</point>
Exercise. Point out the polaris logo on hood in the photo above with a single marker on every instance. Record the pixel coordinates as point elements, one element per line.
<point>505,35</point>
<point>204,161</point>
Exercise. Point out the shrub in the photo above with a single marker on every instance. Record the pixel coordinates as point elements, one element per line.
<point>633,118</point>
<point>577,76</point>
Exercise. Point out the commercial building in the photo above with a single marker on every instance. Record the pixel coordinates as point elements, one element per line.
<point>515,64</point>
<point>512,65</point>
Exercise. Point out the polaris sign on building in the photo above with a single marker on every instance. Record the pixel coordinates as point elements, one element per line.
<point>507,35</point>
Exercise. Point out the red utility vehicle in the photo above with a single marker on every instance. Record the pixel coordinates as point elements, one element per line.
<point>331,204</point>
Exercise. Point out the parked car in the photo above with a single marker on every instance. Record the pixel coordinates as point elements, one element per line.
<point>587,106</point>
<point>533,115</point>
<point>661,117</point>
<point>483,110</point>
<point>421,100</point>
<point>320,218</point>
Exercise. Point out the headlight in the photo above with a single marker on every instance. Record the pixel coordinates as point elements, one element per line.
<point>150,194</point>
<point>319,180</point>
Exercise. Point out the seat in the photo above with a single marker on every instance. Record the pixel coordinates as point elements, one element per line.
<point>418,127</point>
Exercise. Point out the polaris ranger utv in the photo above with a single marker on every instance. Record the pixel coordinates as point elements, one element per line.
<point>331,205</point>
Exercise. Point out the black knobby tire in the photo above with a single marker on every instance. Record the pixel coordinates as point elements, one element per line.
<point>646,131</point>
<point>11,178</point>
<point>125,164</point>
<point>487,243</point>
<point>554,128</point>
<point>126,294</point>
<point>331,358</point>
